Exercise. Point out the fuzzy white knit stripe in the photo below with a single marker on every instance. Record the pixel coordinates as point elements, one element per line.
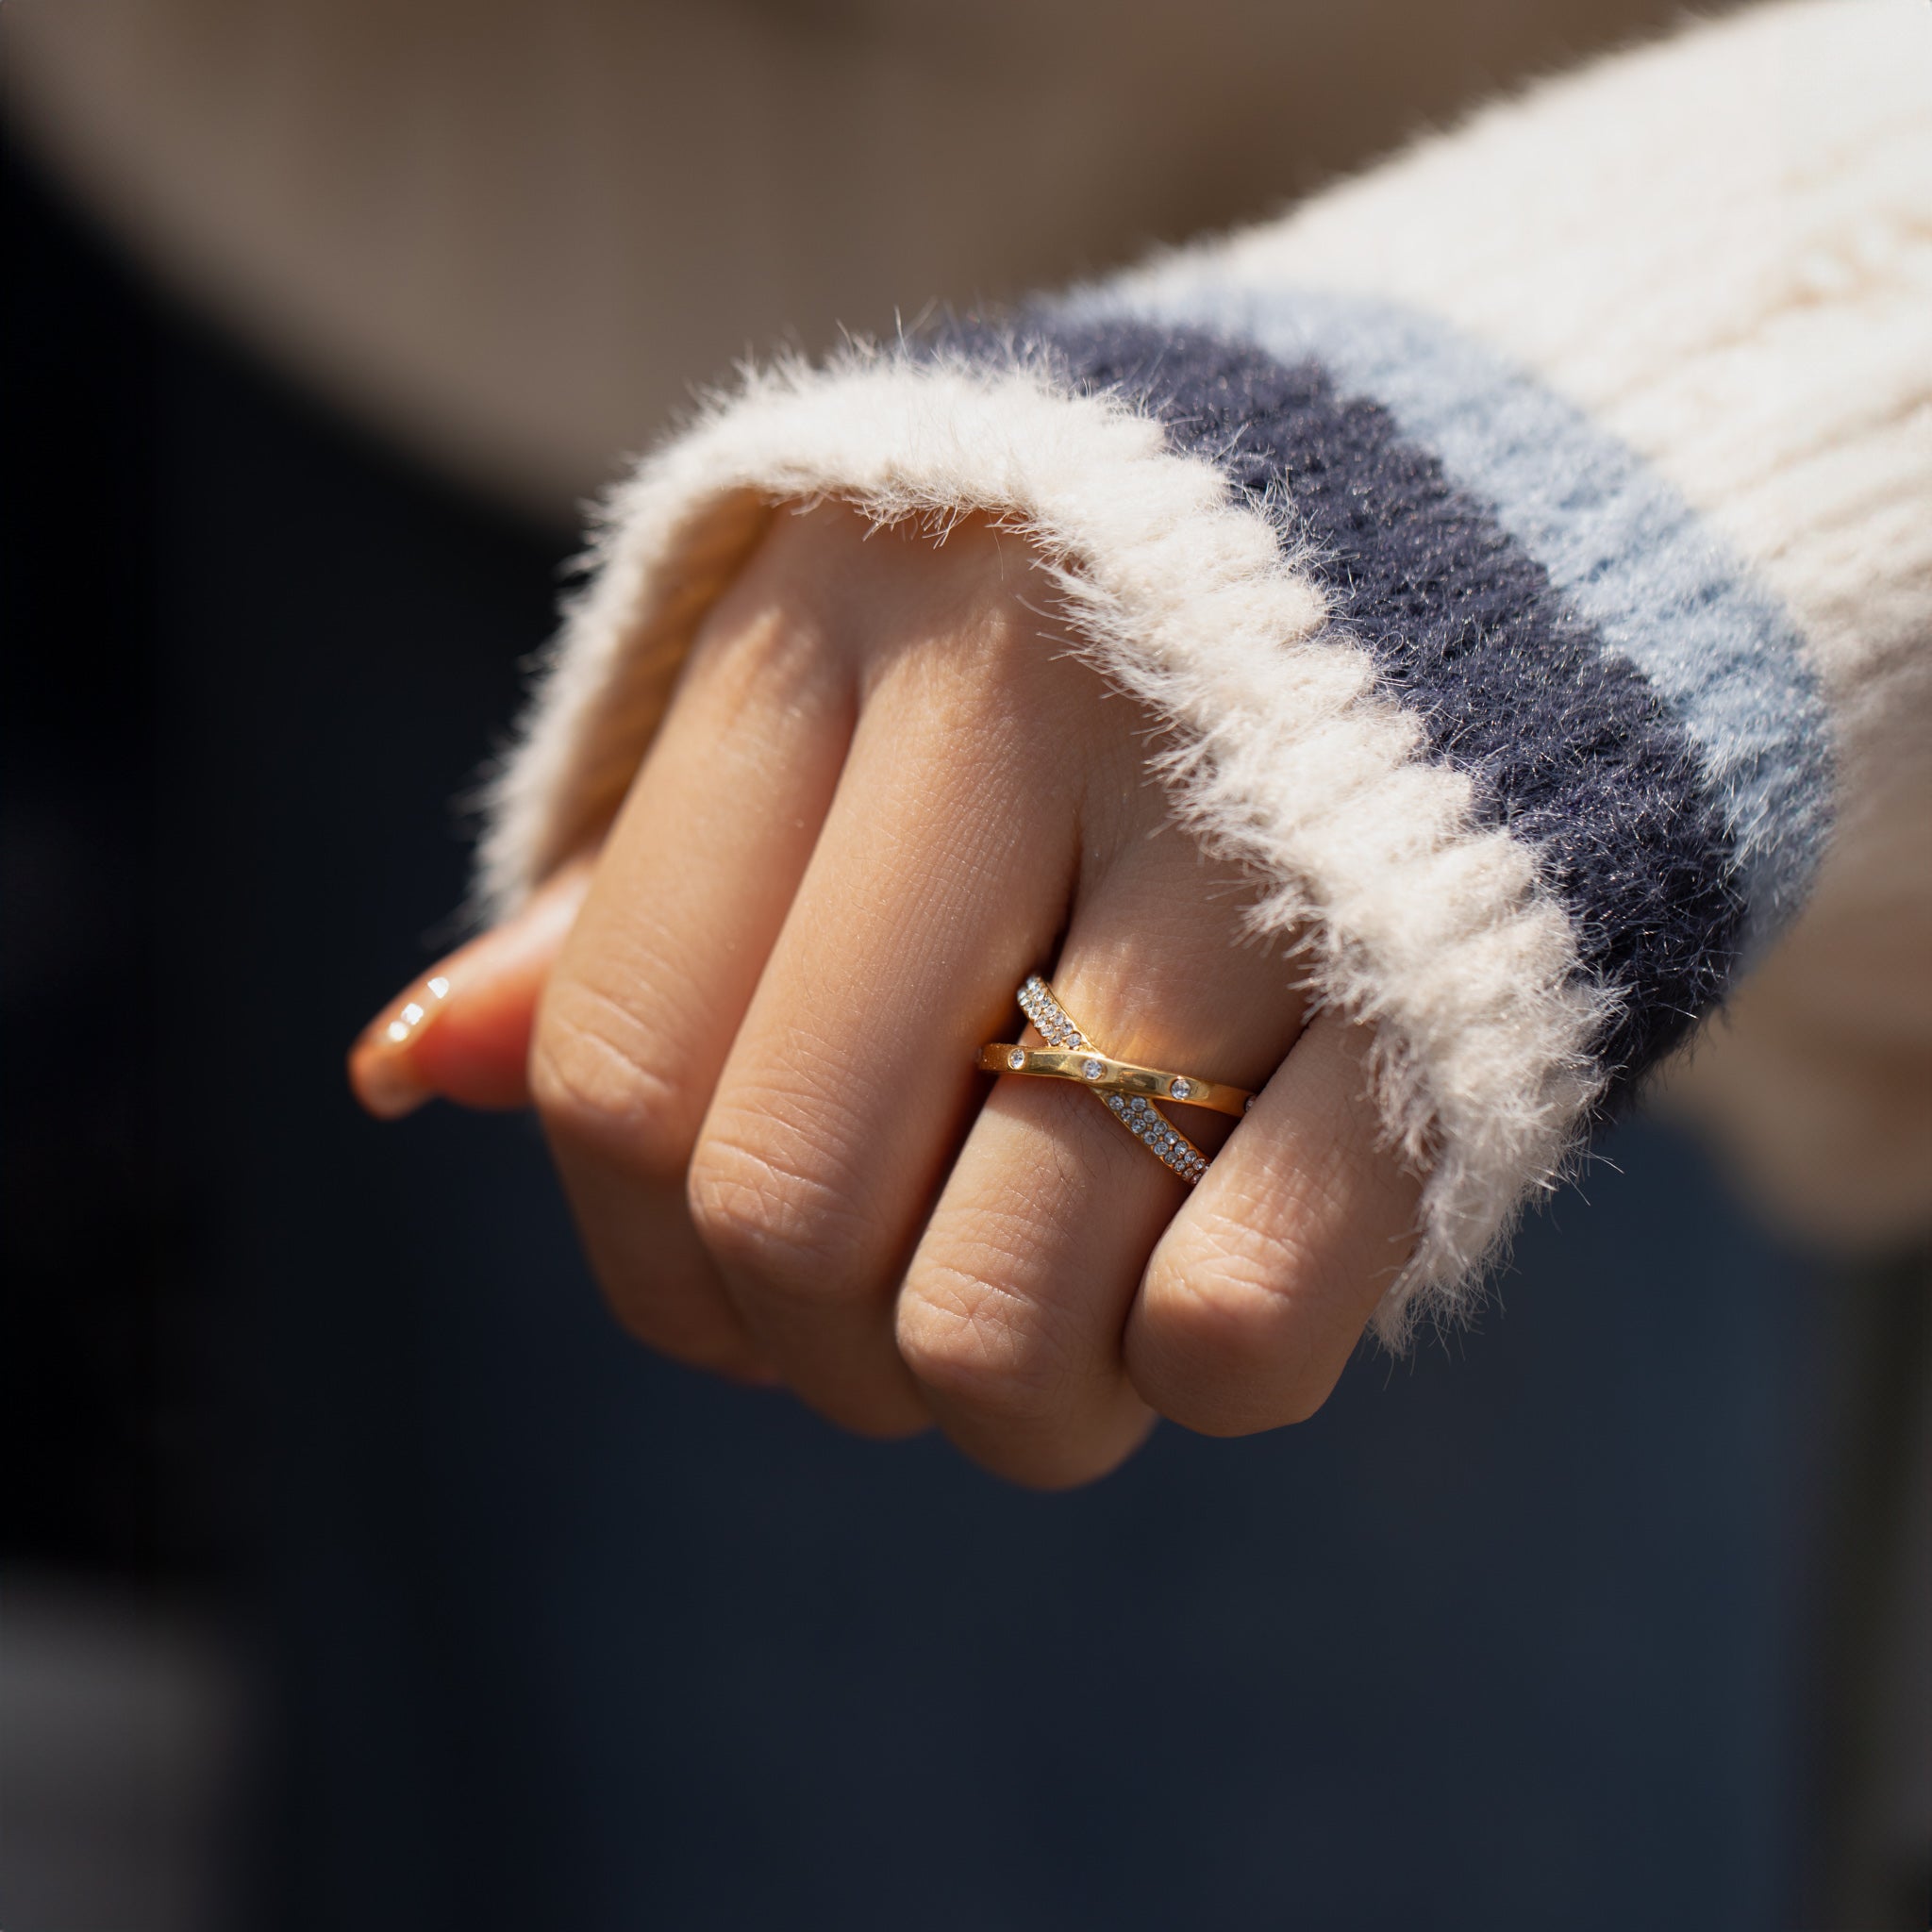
<point>1419,919</point>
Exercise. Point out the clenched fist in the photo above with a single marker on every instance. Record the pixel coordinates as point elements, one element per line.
<point>886,790</point>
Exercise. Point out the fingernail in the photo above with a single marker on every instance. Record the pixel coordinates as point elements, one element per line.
<point>381,1067</point>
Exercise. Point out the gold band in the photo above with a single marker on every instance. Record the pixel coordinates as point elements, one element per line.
<point>1109,1075</point>
<point>1127,1091</point>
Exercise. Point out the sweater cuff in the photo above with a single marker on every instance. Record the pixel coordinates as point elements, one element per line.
<point>1497,722</point>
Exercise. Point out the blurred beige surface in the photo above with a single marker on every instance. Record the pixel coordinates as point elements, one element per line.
<point>517,233</point>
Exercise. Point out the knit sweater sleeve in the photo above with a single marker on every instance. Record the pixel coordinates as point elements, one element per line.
<point>1527,546</point>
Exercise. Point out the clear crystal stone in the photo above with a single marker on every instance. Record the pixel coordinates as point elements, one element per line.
<point>1017,1059</point>
<point>1092,1069</point>
<point>1179,1089</point>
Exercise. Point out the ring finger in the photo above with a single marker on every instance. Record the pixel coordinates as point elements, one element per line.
<point>1015,1304</point>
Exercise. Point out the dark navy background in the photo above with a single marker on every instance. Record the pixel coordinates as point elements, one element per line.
<point>557,1635</point>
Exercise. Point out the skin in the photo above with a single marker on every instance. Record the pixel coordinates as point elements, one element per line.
<point>885,791</point>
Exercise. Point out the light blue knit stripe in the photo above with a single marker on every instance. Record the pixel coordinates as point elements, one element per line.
<point>1626,552</point>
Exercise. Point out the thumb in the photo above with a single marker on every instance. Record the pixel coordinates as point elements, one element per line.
<point>463,1029</point>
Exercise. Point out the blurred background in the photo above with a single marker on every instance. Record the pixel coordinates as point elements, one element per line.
<point>354,1569</point>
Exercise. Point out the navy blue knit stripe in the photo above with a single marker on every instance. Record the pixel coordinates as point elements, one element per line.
<point>1569,748</point>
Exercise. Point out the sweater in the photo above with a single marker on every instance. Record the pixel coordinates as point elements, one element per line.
<point>1527,549</point>
<point>509,235</point>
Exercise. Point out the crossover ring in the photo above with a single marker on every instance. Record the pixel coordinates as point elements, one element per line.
<point>1109,1075</point>
<point>1127,1090</point>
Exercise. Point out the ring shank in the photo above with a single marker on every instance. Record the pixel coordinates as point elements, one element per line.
<point>1107,1075</point>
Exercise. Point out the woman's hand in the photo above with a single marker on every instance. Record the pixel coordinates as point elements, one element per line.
<point>886,790</point>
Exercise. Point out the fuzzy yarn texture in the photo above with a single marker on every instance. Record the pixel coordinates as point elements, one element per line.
<point>1528,548</point>
<point>1569,745</point>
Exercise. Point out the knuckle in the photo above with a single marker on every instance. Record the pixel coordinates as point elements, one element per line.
<point>1217,1352</point>
<point>762,638</point>
<point>980,1346</point>
<point>789,1233</point>
<point>595,1088</point>
<point>1220,1293</point>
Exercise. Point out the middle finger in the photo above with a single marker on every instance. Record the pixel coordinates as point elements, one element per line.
<point>942,872</point>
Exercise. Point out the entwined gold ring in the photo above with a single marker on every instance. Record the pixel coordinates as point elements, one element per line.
<point>1126,1089</point>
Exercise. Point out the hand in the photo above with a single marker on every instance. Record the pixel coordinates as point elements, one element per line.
<point>886,791</point>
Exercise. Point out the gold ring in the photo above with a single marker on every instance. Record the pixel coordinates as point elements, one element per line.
<point>1127,1090</point>
<point>1109,1075</point>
